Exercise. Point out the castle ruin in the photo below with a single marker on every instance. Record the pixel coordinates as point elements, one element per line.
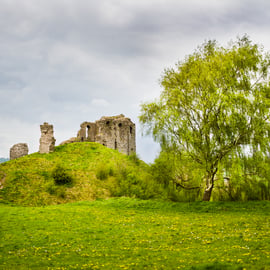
<point>18,150</point>
<point>115,132</point>
<point>47,141</point>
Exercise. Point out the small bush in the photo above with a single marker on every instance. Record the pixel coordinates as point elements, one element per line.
<point>104,171</point>
<point>61,192</point>
<point>56,190</point>
<point>138,185</point>
<point>61,176</point>
<point>135,158</point>
<point>51,188</point>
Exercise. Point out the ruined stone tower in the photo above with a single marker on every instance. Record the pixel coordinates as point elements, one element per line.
<point>47,141</point>
<point>18,150</point>
<point>115,132</point>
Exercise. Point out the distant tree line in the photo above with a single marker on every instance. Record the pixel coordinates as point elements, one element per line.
<point>3,160</point>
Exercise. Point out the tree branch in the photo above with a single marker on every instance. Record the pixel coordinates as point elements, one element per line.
<point>179,184</point>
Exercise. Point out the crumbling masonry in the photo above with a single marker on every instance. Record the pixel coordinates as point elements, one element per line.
<point>115,132</point>
<point>47,141</point>
<point>18,150</point>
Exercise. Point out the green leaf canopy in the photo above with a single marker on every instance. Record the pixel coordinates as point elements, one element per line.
<point>214,101</point>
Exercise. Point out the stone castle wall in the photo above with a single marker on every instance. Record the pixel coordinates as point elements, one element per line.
<point>115,132</point>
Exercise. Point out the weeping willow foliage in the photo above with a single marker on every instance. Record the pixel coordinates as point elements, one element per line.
<point>214,104</point>
<point>239,177</point>
<point>243,177</point>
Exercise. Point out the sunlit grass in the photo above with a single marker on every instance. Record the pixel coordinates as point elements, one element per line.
<point>133,234</point>
<point>97,172</point>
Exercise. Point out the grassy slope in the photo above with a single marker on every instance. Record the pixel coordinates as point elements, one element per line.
<point>28,180</point>
<point>129,233</point>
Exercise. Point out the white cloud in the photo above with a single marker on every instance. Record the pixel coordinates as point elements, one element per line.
<point>99,102</point>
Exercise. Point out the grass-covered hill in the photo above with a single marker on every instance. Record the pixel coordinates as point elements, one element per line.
<point>74,172</point>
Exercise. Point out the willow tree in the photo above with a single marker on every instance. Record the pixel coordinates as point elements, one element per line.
<point>215,101</point>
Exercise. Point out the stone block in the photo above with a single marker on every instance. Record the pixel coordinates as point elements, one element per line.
<point>18,150</point>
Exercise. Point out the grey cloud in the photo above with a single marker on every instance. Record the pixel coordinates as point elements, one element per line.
<point>68,61</point>
<point>9,81</point>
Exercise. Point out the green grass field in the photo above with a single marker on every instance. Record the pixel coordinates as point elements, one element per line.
<point>127,233</point>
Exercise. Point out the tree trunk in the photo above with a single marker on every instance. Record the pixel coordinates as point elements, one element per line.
<point>207,194</point>
<point>209,185</point>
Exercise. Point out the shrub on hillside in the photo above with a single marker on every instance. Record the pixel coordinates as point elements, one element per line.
<point>136,184</point>
<point>57,190</point>
<point>104,171</point>
<point>61,176</point>
<point>135,158</point>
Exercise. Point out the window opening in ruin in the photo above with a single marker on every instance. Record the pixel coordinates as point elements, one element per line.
<point>108,122</point>
<point>120,125</point>
<point>130,130</point>
<point>87,133</point>
<point>115,145</point>
<point>82,139</point>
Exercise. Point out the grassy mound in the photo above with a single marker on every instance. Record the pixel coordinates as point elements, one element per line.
<point>74,172</point>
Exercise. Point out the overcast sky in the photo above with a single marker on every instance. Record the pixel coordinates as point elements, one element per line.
<point>70,61</point>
